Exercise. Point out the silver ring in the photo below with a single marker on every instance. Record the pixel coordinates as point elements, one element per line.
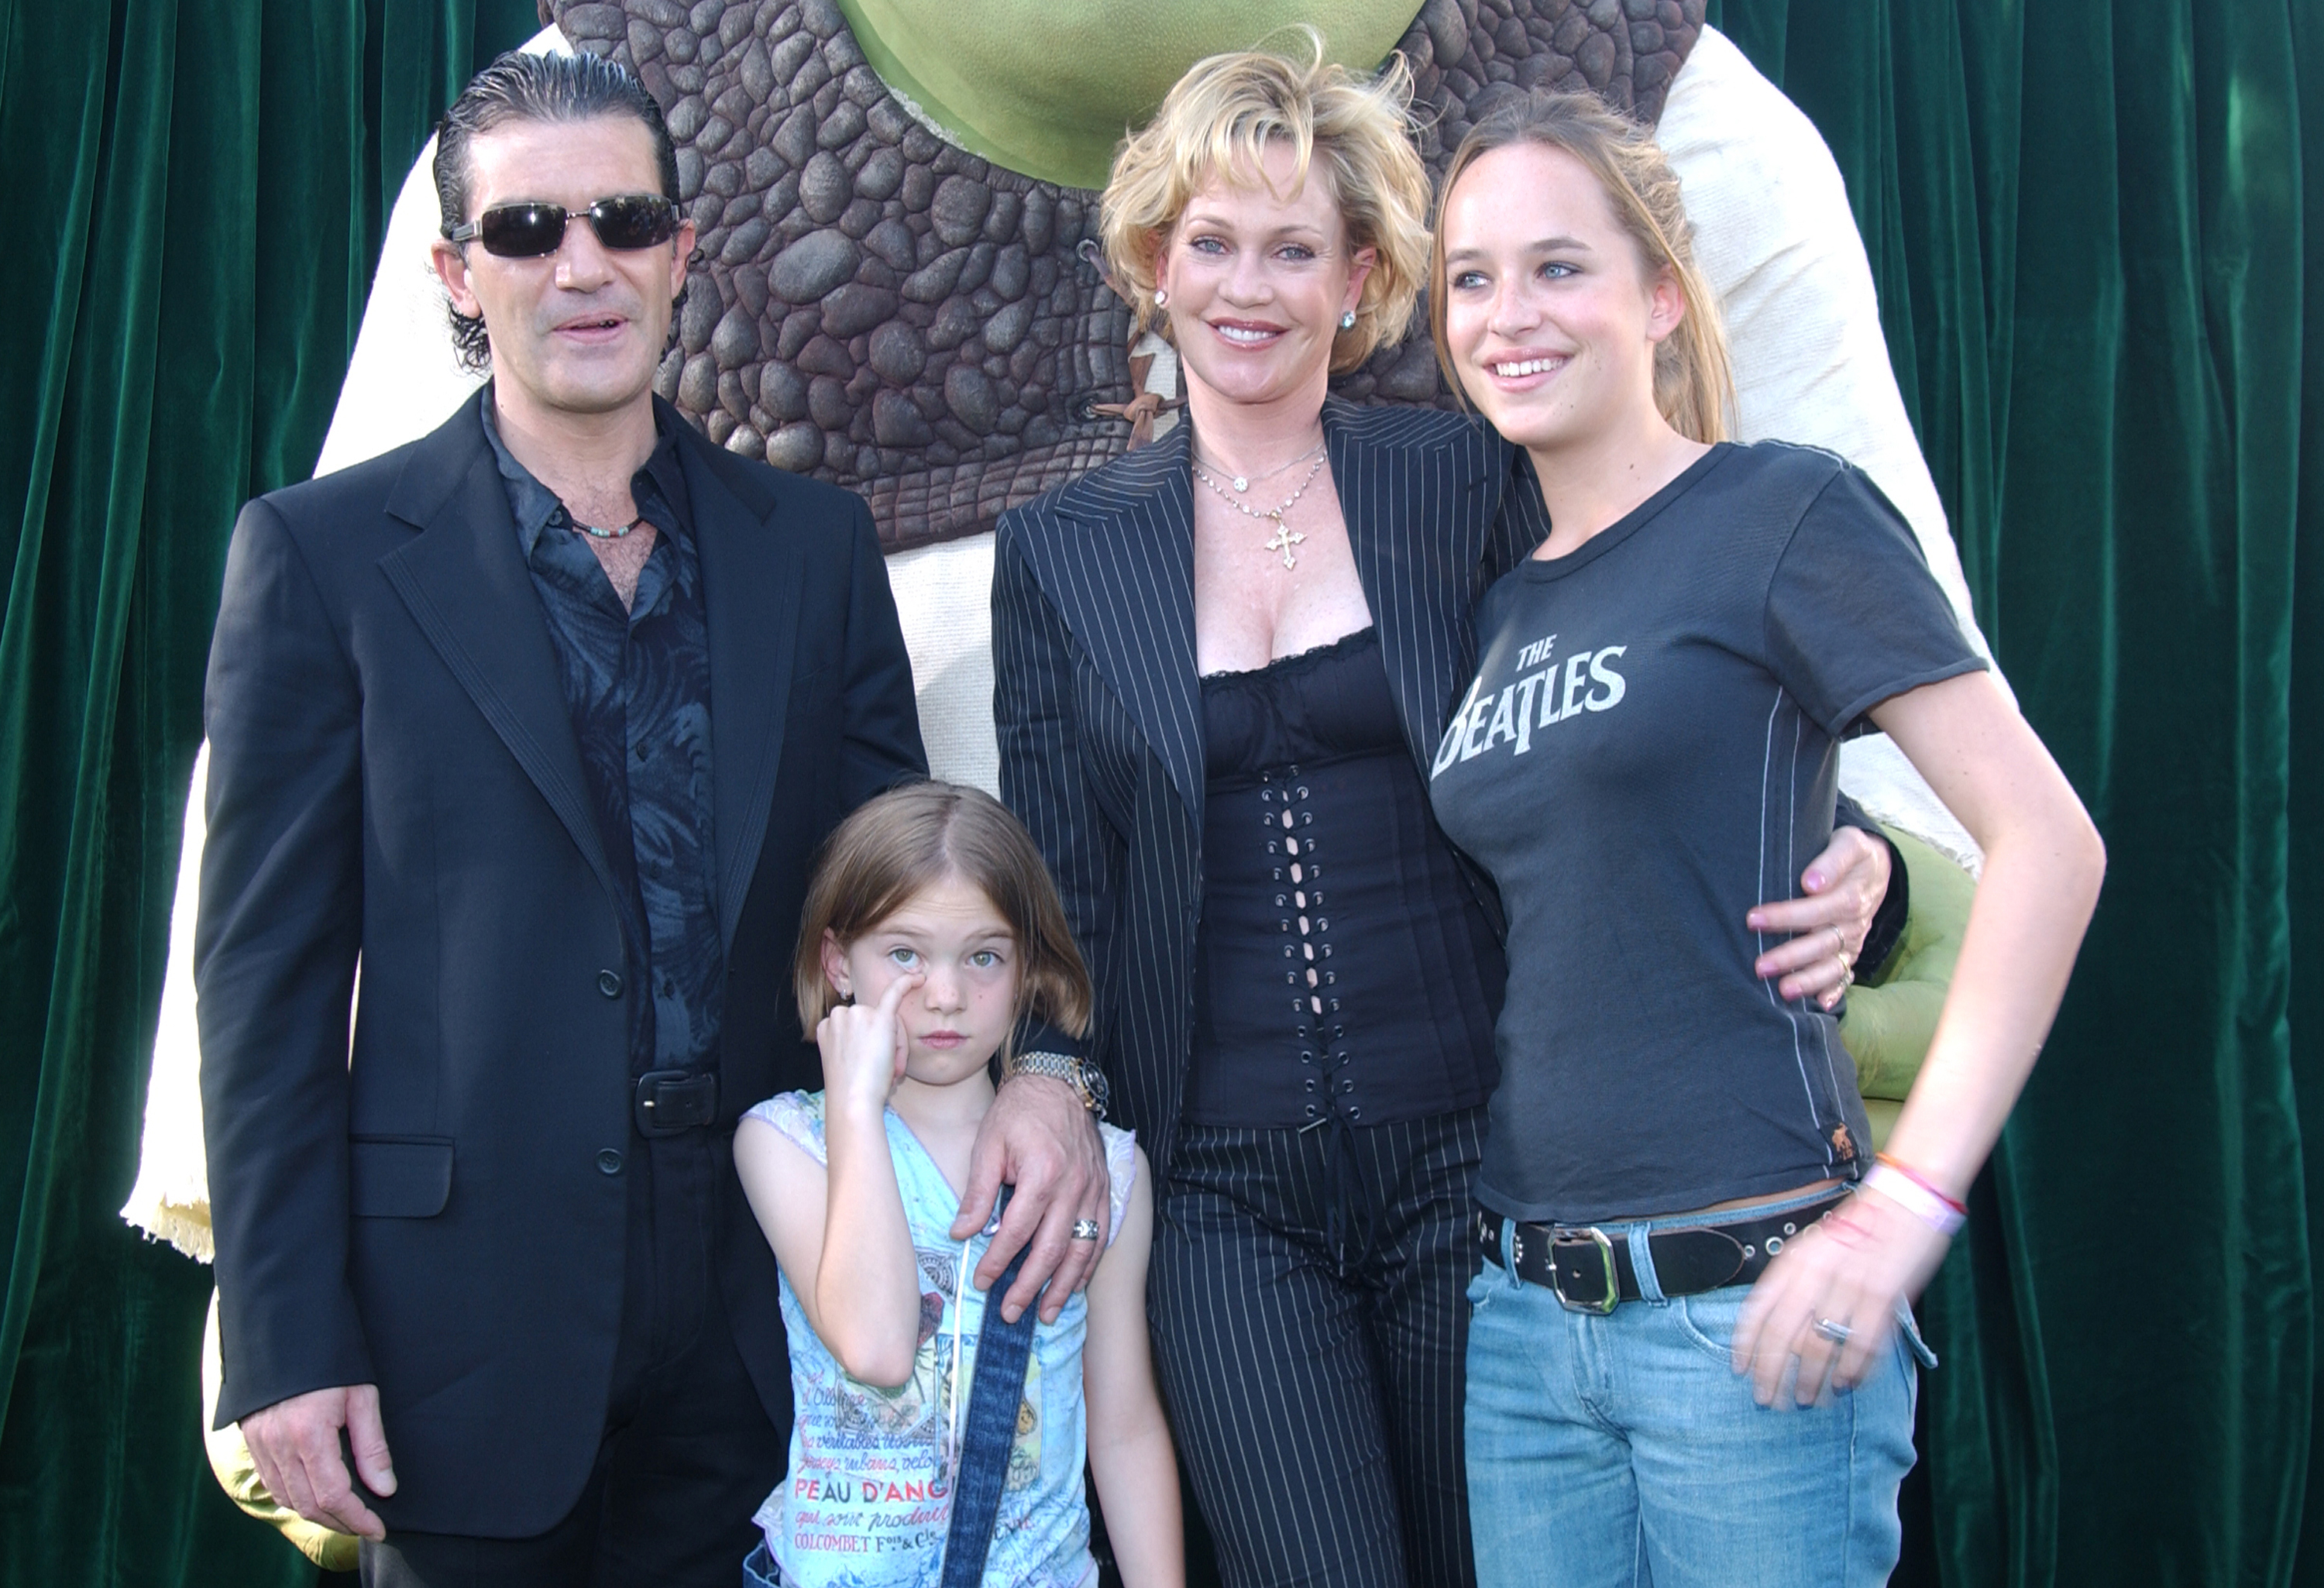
<point>1085,1229</point>
<point>1833,1330</point>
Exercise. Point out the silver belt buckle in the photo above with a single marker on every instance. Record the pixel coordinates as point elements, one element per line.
<point>1591,1237</point>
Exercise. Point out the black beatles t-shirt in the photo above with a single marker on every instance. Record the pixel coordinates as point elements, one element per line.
<point>1649,750</point>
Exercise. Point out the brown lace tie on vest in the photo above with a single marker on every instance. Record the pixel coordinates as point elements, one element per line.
<point>1144,405</point>
<point>1140,410</point>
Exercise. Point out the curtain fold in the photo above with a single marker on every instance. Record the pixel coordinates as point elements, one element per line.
<point>2306,1004</point>
<point>201,190</point>
<point>2088,223</point>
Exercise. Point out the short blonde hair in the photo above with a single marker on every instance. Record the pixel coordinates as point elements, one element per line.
<point>912,837</point>
<point>1694,385</point>
<point>1217,120</point>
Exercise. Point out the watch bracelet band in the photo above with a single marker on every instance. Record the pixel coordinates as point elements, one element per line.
<point>1085,1078</point>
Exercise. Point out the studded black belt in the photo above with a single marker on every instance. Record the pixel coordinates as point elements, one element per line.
<point>1591,1270</point>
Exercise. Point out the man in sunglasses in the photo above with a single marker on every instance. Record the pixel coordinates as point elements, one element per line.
<point>540,718</point>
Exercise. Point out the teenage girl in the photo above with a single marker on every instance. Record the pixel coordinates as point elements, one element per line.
<point>1685,1363</point>
<point>930,929</point>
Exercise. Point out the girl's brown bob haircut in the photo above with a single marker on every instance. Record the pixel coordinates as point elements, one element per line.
<point>1217,120</point>
<point>1694,385</point>
<point>916,836</point>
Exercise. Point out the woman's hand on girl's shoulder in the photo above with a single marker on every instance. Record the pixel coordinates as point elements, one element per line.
<point>863,1048</point>
<point>1844,1275</point>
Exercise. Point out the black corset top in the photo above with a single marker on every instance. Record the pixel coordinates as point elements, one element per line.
<point>1343,968</point>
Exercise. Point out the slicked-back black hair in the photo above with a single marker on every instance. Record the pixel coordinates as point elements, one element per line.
<point>518,87</point>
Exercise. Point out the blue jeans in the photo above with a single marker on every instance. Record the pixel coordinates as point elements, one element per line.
<point>1622,1449</point>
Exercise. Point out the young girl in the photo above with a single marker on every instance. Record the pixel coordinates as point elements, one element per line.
<point>930,929</point>
<point>1685,1364</point>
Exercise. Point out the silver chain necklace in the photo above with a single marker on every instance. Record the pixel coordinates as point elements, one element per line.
<point>1245,482</point>
<point>1284,537</point>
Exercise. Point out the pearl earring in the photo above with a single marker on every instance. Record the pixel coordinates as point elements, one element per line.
<point>1348,320</point>
<point>1161,299</point>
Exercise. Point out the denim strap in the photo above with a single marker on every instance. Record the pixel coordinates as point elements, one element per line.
<point>996,1390</point>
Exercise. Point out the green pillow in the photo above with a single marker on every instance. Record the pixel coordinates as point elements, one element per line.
<point>1888,1024</point>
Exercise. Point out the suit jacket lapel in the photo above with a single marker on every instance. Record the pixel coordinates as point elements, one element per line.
<point>1122,573</point>
<point>751,583</point>
<point>465,582</point>
<point>1417,519</point>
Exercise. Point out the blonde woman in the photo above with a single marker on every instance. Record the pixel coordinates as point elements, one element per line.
<point>1691,1359</point>
<point>1223,665</point>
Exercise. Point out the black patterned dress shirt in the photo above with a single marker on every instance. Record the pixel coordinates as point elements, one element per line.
<point>638,685</point>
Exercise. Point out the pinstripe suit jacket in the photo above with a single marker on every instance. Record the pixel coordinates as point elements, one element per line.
<point>1099,706</point>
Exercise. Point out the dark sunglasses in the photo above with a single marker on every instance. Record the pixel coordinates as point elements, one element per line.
<point>528,231</point>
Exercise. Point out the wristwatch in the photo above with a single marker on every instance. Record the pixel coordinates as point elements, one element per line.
<point>1086,1079</point>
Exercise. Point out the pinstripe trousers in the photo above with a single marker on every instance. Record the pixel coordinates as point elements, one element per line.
<point>1310,1320</point>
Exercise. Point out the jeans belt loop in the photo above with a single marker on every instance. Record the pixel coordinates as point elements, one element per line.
<point>1642,1263</point>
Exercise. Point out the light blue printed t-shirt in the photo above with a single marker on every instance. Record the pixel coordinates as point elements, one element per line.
<point>868,1496</point>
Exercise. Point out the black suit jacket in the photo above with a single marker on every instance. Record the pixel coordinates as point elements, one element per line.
<point>1099,706</point>
<point>393,776</point>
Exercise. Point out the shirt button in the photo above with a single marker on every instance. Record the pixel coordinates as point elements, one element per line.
<point>641,753</point>
<point>609,983</point>
<point>608,1162</point>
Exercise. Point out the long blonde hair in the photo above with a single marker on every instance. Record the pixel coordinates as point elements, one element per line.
<point>1694,385</point>
<point>1219,119</point>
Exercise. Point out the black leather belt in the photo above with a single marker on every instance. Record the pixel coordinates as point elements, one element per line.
<point>1591,1270</point>
<point>670,1102</point>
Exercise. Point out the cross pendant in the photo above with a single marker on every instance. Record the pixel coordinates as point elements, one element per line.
<point>1284,541</point>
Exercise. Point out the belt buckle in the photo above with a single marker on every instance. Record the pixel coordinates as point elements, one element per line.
<point>670,1103</point>
<point>1566,1242</point>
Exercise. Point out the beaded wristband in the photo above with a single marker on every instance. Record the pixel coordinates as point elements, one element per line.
<point>1931,1207</point>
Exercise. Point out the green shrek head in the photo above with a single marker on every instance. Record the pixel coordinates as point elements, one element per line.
<point>1048,89</point>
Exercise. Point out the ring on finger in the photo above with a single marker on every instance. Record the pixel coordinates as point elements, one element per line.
<point>1833,1330</point>
<point>1847,971</point>
<point>1085,1229</point>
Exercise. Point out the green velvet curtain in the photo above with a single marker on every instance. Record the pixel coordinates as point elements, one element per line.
<point>204,187</point>
<point>2087,225</point>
